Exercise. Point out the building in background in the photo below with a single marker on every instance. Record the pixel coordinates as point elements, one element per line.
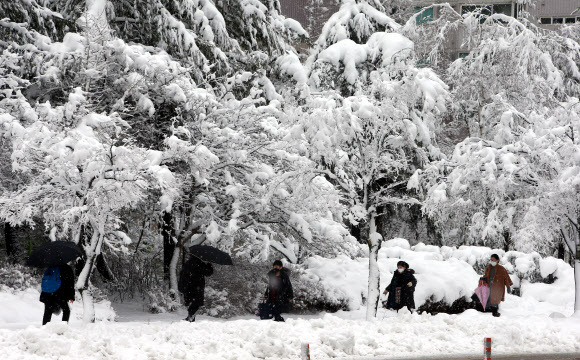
<point>312,14</point>
<point>548,14</point>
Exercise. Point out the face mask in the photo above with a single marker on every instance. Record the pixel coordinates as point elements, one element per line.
<point>493,263</point>
<point>400,270</point>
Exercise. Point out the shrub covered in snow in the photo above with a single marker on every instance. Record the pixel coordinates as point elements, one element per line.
<point>238,290</point>
<point>17,277</point>
<point>159,300</point>
<point>446,276</point>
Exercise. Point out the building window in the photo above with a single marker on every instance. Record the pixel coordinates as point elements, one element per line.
<point>424,16</point>
<point>557,20</point>
<point>570,20</point>
<point>546,21</point>
<point>505,9</point>
<point>486,10</point>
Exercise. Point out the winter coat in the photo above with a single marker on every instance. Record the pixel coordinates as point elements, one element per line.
<point>406,296</point>
<point>501,279</point>
<point>279,287</point>
<point>192,280</point>
<point>66,291</point>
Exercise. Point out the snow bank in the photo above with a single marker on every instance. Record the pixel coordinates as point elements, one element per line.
<point>443,274</point>
<point>329,336</point>
<point>23,307</point>
<point>561,292</point>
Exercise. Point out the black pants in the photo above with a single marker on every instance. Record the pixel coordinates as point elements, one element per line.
<point>192,309</point>
<point>277,309</point>
<point>50,307</point>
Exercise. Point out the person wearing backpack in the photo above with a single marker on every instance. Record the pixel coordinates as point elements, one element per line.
<point>58,288</point>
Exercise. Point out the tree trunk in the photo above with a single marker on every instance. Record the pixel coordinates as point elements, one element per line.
<point>92,250</point>
<point>576,256</point>
<point>561,251</point>
<point>168,244</point>
<point>12,246</point>
<point>173,290</point>
<point>577,281</point>
<point>374,292</point>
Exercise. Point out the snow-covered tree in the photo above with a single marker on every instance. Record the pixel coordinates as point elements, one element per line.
<point>80,178</point>
<point>245,190</point>
<point>347,66</point>
<point>370,144</point>
<point>259,26</point>
<point>20,19</point>
<point>356,20</point>
<point>503,187</point>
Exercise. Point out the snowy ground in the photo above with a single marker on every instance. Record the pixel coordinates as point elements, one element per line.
<point>537,322</point>
<point>525,327</point>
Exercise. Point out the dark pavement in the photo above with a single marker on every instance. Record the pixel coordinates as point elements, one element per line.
<point>494,357</point>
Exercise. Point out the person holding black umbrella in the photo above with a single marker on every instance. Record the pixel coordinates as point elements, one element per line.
<point>58,288</point>
<point>58,282</point>
<point>192,284</point>
<point>193,273</point>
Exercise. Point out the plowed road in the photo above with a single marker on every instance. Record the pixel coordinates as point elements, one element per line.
<point>497,357</point>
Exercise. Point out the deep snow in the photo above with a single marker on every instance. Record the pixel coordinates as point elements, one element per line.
<point>525,327</point>
<point>340,335</point>
<point>537,322</point>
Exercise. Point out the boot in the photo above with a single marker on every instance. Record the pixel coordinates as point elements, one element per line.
<point>279,318</point>
<point>190,318</point>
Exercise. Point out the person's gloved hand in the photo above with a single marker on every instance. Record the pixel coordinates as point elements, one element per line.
<point>385,292</point>
<point>410,284</point>
<point>509,289</point>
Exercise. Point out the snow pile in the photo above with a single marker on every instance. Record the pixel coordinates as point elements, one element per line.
<point>329,336</point>
<point>561,292</point>
<point>290,65</point>
<point>23,307</point>
<point>444,274</point>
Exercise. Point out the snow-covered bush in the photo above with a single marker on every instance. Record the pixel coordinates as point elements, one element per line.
<point>237,290</point>
<point>14,277</point>
<point>446,276</point>
<point>159,300</point>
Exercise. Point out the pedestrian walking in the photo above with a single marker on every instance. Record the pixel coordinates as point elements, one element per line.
<point>401,290</point>
<point>498,279</point>
<point>192,284</point>
<point>279,294</point>
<point>58,289</point>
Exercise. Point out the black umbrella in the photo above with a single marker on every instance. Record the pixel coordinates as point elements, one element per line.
<point>211,254</point>
<point>54,253</point>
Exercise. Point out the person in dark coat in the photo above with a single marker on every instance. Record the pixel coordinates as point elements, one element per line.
<point>192,284</point>
<point>57,301</point>
<point>401,290</point>
<point>279,293</point>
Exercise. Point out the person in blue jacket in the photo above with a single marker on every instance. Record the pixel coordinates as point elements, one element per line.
<point>58,289</point>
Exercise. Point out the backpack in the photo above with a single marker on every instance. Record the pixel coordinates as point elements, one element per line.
<point>51,280</point>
